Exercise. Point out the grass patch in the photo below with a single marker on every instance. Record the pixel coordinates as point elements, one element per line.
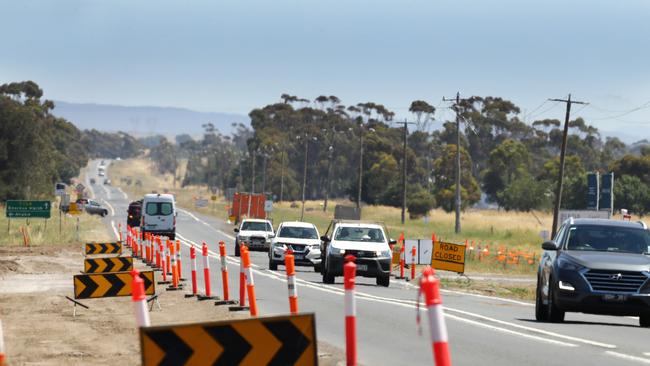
<point>512,291</point>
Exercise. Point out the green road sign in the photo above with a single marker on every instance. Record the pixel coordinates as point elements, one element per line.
<point>24,209</point>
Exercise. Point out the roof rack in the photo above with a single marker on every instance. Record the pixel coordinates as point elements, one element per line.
<point>643,225</point>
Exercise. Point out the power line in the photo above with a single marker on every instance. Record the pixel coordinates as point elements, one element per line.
<point>625,113</point>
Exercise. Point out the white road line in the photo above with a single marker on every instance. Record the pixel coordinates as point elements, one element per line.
<point>646,354</point>
<point>124,194</point>
<point>412,304</point>
<point>190,214</point>
<point>627,357</point>
<point>109,206</point>
<point>463,293</point>
<point>117,235</point>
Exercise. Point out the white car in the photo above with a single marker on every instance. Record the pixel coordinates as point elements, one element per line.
<point>367,242</point>
<point>255,233</point>
<point>159,215</point>
<point>302,238</point>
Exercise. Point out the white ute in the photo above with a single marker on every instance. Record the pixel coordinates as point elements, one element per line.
<point>255,233</point>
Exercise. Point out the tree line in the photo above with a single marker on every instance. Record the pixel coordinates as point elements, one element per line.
<point>505,161</point>
<point>38,149</point>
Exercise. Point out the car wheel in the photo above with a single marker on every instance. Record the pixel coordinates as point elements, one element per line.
<point>644,320</point>
<point>236,249</point>
<point>104,213</point>
<point>327,277</point>
<point>317,268</point>
<point>383,281</point>
<point>541,312</point>
<point>555,315</point>
<point>273,265</point>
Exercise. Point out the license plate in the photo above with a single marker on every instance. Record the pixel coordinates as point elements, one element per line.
<point>298,257</point>
<point>614,298</point>
<point>362,267</point>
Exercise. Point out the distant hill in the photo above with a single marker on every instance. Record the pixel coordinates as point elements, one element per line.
<point>144,121</point>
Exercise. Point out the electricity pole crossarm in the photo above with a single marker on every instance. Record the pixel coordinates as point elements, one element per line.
<point>560,181</point>
<point>405,123</point>
<point>458,201</point>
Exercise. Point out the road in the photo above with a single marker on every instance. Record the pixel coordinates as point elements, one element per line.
<point>483,330</point>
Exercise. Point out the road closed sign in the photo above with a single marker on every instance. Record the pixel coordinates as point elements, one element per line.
<point>448,257</point>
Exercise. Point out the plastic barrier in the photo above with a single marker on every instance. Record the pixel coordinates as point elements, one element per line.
<point>139,300</point>
<point>430,287</point>
<point>413,262</point>
<point>250,284</point>
<point>224,276</point>
<point>206,274</point>
<point>193,268</point>
<point>349,278</point>
<point>291,281</point>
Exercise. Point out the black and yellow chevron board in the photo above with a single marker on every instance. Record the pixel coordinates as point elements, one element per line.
<point>280,340</point>
<point>103,265</point>
<point>94,285</point>
<point>104,248</point>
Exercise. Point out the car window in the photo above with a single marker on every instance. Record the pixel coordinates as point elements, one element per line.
<point>298,232</point>
<point>359,234</point>
<point>256,226</point>
<point>159,208</point>
<point>608,239</point>
<point>166,208</point>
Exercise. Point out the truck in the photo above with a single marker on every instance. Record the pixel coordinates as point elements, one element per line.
<point>247,205</point>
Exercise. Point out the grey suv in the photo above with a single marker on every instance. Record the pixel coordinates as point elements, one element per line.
<point>595,266</point>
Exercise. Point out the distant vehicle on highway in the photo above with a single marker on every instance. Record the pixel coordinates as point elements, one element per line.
<point>158,215</point>
<point>595,266</point>
<point>367,242</point>
<point>92,180</point>
<point>302,238</point>
<point>94,208</point>
<point>107,182</point>
<point>134,213</point>
<point>256,233</point>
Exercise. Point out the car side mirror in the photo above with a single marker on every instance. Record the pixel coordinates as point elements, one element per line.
<point>236,230</point>
<point>550,245</point>
<point>271,236</point>
<point>324,238</point>
<point>392,241</point>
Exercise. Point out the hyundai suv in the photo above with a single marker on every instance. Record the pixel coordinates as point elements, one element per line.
<point>595,266</point>
<point>302,238</point>
<point>367,242</point>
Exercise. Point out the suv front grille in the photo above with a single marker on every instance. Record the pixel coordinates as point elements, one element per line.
<point>361,253</point>
<point>615,281</point>
<point>298,248</point>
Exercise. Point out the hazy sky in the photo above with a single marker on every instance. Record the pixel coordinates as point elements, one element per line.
<point>232,56</point>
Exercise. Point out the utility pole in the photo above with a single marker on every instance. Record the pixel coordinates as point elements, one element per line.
<point>560,180</point>
<point>360,166</point>
<point>250,199</point>
<point>458,198</point>
<point>281,174</point>
<point>404,169</point>
<point>304,176</point>
<point>264,174</point>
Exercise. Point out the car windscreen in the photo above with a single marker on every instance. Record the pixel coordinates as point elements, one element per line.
<point>159,208</point>
<point>359,234</point>
<point>298,232</point>
<point>608,239</point>
<point>256,226</point>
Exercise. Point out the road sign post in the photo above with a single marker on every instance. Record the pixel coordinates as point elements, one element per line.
<point>448,257</point>
<point>278,340</point>
<point>27,209</point>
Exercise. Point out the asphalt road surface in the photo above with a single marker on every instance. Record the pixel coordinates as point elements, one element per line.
<point>483,330</point>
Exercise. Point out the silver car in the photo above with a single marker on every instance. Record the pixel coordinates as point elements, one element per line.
<point>94,208</point>
<point>302,238</point>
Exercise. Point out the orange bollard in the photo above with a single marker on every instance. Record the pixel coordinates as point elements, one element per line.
<point>430,287</point>
<point>402,254</point>
<point>250,285</point>
<point>242,281</point>
<point>291,281</point>
<point>206,274</point>
<point>349,279</point>
<point>413,262</point>
<point>174,267</point>
<point>2,347</point>
<point>162,263</point>
<point>179,257</point>
<point>168,257</point>
<point>224,276</point>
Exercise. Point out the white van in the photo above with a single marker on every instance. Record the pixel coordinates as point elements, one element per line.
<point>159,215</point>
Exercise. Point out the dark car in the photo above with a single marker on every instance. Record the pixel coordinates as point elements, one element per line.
<point>134,211</point>
<point>595,266</point>
<point>94,208</point>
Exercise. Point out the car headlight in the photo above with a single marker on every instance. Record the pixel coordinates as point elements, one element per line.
<point>315,246</point>
<point>336,251</point>
<point>383,253</point>
<point>564,263</point>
